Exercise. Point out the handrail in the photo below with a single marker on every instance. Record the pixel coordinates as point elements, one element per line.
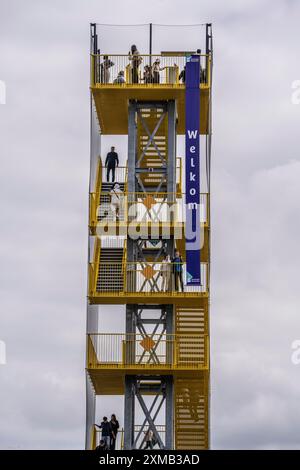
<point>133,336</point>
<point>209,71</point>
<point>161,428</point>
<point>126,176</point>
<point>179,159</point>
<point>144,262</point>
<point>93,438</point>
<point>92,70</point>
<point>97,253</point>
<point>124,259</point>
<point>125,69</point>
<point>146,207</point>
<point>95,195</point>
<point>184,350</point>
<point>100,174</point>
<point>145,278</point>
<point>149,55</point>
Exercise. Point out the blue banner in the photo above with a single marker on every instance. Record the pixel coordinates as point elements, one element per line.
<point>192,170</point>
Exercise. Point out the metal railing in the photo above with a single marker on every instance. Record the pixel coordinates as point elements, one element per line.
<point>144,70</point>
<point>144,278</point>
<point>179,174</point>
<point>158,351</point>
<point>120,174</point>
<point>96,437</point>
<point>139,436</point>
<point>141,207</point>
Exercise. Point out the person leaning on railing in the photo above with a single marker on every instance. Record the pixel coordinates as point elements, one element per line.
<point>106,431</point>
<point>136,60</point>
<point>156,68</point>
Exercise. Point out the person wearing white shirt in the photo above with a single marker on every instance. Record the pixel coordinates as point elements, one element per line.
<point>165,270</point>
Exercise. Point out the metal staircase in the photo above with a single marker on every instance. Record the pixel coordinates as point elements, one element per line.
<point>110,274</point>
<point>191,414</point>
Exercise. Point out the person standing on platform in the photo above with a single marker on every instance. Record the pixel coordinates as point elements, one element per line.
<point>177,270</point>
<point>156,68</point>
<point>136,60</point>
<point>112,160</point>
<point>106,431</point>
<point>149,439</point>
<point>114,424</point>
<point>165,271</point>
<point>104,69</point>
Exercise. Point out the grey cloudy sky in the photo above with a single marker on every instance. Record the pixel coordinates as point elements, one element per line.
<point>44,145</point>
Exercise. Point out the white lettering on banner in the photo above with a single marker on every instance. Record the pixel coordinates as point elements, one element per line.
<point>192,191</point>
<point>192,149</point>
<point>192,163</point>
<point>192,205</point>
<point>193,134</point>
<point>192,176</point>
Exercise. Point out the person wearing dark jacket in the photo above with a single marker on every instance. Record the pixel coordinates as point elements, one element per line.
<point>177,270</point>
<point>112,160</point>
<point>114,424</point>
<point>106,431</point>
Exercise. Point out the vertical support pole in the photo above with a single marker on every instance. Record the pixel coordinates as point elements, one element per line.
<point>129,402</point>
<point>131,183</point>
<point>169,412</point>
<point>131,145</point>
<point>93,50</point>
<point>171,188</point>
<point>129,410</point>
<point>90,412</point>
<point>171,170</point>
<point>93,30</point>
<point>171,175</point>
<point>207,47</point>
<point>169,332</point>
<point>91,310</point>
<point>130,333</point>
<point>150,44</point>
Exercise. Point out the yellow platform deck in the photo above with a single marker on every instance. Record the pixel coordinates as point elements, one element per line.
<point>112,382</point>
<point>111,103</point>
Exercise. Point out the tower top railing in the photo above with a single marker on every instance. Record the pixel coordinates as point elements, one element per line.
<point>148,71</point>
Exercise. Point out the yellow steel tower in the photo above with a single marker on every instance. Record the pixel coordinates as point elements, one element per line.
<point>160,363</point>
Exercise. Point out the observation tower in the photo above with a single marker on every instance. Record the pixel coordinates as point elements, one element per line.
<point>140,243</point>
